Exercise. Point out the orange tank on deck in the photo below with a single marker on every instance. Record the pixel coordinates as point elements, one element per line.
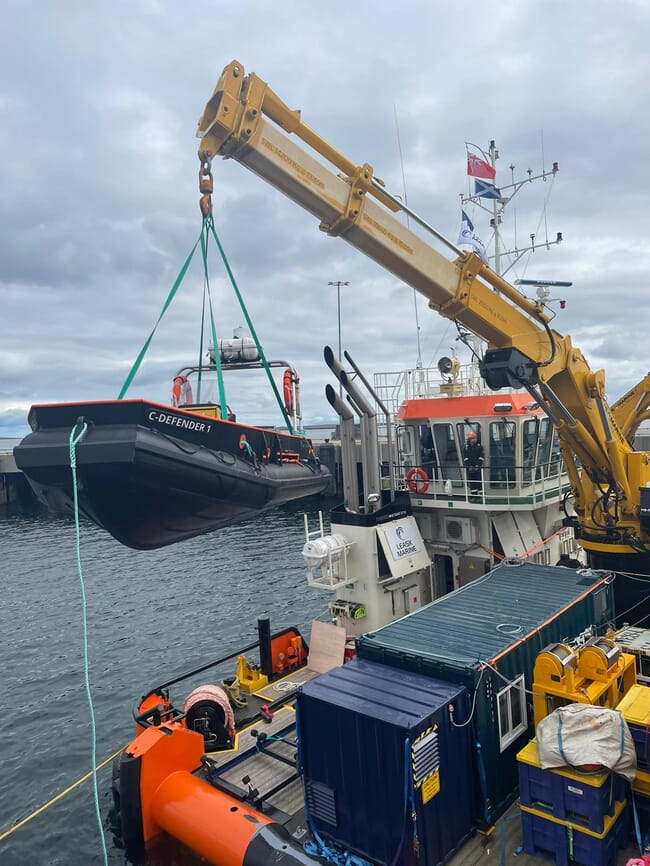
<point>160,794</point>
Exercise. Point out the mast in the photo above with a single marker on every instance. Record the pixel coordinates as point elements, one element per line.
<point>495,222</point>
<point>497,206</point>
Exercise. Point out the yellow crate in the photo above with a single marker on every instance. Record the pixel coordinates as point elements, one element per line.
<point>635,706</point>
<point>528,755</point>
<point>641,783</point>
<point>610,820</point>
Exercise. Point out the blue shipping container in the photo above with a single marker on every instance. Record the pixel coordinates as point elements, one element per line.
<point>373,737</point>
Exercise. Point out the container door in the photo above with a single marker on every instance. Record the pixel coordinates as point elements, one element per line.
<point>441,758</point>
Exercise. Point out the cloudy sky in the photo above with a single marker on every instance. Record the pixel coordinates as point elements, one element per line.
<point>98,171</point>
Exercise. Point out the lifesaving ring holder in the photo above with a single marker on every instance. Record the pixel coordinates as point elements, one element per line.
<point>417,480</point>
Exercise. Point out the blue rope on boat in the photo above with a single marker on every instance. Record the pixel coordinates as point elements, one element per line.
<point>483,782</point>
<point>318,848</point>
<point>637,825</point>
<point>74,441</point>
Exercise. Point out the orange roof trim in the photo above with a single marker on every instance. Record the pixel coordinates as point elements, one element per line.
<point>461,407</point>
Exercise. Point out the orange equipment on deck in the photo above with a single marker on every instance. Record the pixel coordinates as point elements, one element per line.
<point>157,783</point>
<point>597,673</point>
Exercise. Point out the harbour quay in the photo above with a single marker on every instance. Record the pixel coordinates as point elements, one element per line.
<point>13,484</point>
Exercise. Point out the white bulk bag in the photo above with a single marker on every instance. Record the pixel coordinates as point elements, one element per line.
<point>579,735</point>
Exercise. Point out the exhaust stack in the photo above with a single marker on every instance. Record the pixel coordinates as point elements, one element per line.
<point>350,480</point>
<point>368,428</point>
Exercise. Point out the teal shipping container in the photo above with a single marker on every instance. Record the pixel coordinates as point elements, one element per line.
<point>486,636</point>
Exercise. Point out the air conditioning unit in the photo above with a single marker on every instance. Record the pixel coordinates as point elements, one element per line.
<point>458,529</point>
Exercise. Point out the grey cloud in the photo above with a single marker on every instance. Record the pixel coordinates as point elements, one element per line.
<point>98,107</point>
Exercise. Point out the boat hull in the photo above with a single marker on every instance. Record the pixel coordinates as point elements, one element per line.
<point>151,476</point>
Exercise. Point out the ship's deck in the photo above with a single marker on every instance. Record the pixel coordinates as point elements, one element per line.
<point>271,774</point>
<point>502,846</point>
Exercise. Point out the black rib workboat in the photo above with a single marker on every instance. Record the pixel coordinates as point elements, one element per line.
<point>152,475</point>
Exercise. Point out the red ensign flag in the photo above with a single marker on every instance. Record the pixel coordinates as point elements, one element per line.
<point>477,167</point>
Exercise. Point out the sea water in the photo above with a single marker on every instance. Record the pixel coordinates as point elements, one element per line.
<point>150,615</point>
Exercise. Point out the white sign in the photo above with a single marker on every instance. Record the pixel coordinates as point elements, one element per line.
<point>403,546</point>
<point>402,540</point>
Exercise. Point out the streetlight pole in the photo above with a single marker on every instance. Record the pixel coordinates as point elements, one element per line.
<point>338,284</point>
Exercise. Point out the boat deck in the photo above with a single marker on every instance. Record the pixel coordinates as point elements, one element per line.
<point>271,774</point>
<point>502,846</point>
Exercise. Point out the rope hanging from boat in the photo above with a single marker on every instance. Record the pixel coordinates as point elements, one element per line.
<point>76,435</point>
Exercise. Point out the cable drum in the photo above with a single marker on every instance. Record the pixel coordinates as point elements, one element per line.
<point>208,712</point>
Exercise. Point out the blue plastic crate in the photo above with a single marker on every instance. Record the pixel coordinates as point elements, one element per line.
<point>583,799</point>
<point>567,845</point>
<point>641,737</point>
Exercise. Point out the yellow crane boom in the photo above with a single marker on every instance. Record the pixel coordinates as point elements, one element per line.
<point>246,121</point>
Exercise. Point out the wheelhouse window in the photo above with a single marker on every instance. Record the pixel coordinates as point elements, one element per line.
<point>556,457</point>
<point>502,454</point>
<point>513,717</point>
<point>428,460</point>
<point>465,428</point>
<point>445,442</point>
<point>405,445</point>
<point>530,428</point>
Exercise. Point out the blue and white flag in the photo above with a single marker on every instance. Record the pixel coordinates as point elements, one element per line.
<point>467,236</point>
<point>483,189</point>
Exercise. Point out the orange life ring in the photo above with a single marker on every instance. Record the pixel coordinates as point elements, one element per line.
<point>417,480</point>
<point>181,392</point>
<point>287,391</point>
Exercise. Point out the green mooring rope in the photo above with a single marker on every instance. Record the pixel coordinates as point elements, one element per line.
<point>74,441</point>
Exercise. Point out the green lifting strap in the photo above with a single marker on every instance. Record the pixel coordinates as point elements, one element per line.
<point>217,357</point>
<point>207,227</point>
<point>287,420</point>
<point>170,298</point>
<point>200,364</point>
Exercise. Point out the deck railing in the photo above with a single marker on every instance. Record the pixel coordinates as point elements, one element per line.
<point>393,388</point>
<point>499,486</point>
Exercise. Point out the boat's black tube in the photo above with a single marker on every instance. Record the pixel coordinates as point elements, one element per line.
<point>131,807</point>
<point>272,844</point>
